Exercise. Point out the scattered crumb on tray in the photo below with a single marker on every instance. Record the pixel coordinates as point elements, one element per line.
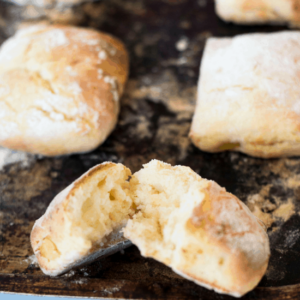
<point>31,260</point>
<point>8,156</point>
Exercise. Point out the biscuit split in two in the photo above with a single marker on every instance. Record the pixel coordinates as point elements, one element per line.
<point>172,214</point>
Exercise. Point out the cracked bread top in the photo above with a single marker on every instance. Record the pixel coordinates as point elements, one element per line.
<point>197,228</point>
<point>249,96</point>
<point>60,89</point>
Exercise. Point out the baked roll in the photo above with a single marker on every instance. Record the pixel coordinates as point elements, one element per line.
<point>194,226</point>
<point>249,95</point>
<point>260,11</point>
<point>59,89</point>
<point>83,219</point>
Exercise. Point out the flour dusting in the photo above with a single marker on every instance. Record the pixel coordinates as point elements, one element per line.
<point>8,156</point>
<point>55,38</point>
<point>31,260</point>
<point>114,89</point>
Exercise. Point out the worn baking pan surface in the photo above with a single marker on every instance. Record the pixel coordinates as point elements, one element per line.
<point>165,40</point>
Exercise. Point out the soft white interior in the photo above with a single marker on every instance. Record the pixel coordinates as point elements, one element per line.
<point>99,206</point>
<point>185,224</point>
<point>165,199</point>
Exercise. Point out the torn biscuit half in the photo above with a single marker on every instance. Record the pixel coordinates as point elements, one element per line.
<point>194,226</point>
<point>84,220</point>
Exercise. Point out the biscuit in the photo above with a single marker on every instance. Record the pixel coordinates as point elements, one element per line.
<point>59,89</point>
<point>249,96</point>
<point>260,11</point>
<point>81,218</point>
<point>194,226</point>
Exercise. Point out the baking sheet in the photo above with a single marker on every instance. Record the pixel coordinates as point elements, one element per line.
<point>165,40</point>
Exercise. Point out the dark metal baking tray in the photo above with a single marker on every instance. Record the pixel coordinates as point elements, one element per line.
<point>154,122</point>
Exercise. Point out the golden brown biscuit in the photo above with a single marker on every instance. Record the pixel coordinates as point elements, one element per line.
<point>249,96</point>
<point>59,89</point>
<point>197,228</point>
<point>260,11</point>
<point>79,220</point>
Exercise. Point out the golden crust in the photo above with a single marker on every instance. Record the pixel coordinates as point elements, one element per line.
<point>246,267</point>
<point>60,88</point>
<point>248,97</point>
<point>260,11</point>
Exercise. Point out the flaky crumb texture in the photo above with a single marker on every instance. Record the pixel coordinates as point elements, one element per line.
<point>198,229</point>
<point>80,217</point>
